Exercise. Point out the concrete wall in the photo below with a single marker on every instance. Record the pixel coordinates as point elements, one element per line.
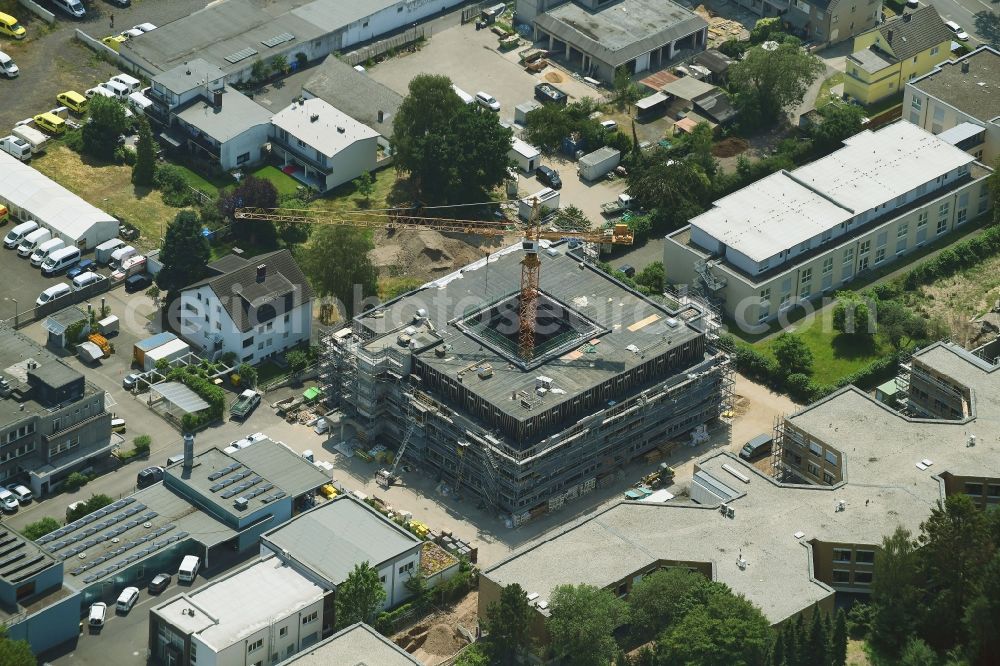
<point>38,11</point>
<point>245,149</point>
<point>936,116</point>
<point>49,627</point>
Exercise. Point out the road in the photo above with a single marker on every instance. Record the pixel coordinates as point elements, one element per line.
<point>963,13</point>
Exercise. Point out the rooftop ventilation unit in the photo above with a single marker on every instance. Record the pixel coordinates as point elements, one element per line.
<point>241,503</point>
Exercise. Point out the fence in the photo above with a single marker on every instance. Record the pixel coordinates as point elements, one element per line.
<point>380,48</point>
<point>38,11</point>
<point>202,198</point>
<point>105,52</point>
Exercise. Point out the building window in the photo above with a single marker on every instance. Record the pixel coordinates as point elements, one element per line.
<point>812,469</point>
<point>841,576</point>
<point>960,216</point>
<point>916,102</point>
<point>365,24</point>
<point>256,645</point>
<point>406,567</point>
<point>974,489</point>
<point>849,255</point>
<point>880,242</point>
<point>804,291</point>
<point>943,209</point>
<point>765,295</point>
<point>865,247</point>
<point>306,619</point>
<point>863,577</point>
<point>827,265</point>
<point>828,478</point>
<point>831,457</point>
<point>248,342</point>
<point>282,632</point>
<point>934,50</point>
<point>922,219</point>
<point>864,556</point>
<point>880,255</point>
<point>993,490</point>
<point>942,226</point>
<point>902,230</point>
<point>901,246</point>
<point>243,159</point>
<point>815,448</point>
<point>841,554</point>
<point>785,301</point>
<point>807,274</point>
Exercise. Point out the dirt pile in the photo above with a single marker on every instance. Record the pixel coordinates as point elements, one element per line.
<point>421,254</point>
<point>729,147</point>
<point>553,77</point>
<point>443,640</point>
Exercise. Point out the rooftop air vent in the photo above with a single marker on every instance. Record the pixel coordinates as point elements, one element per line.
<point>241,503</point>
<point>314,117</point>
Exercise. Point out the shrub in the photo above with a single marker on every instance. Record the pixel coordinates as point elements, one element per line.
<point>228,358</point>
<point>74,140</point>
<point>124,156</point>
<point>74,481</point>
<point>170,181</point>
<point>40,528</point>
<point>95,503</point>
<point>248,374</point>
<point>141,444</point>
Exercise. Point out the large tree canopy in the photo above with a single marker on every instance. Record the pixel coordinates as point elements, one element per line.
<point>359,597</point>
<point>337,264</point>
<point>769,82</point>
<point>184,255</point>
<point>107,122</point>
<point>454,152</point>
<point>581,624</point>
<point>252,192</point>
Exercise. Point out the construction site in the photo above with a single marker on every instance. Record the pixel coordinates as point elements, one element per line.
<point>527,379</point>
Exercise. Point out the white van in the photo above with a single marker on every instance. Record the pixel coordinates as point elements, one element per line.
<point>117,89</point>
<point>72,7</point>
<point>95,618</point>
<point>127,599</point>
<point>464,96</point>
<point>139,102</point>
<point>32,241</point>
<point>43,251</point>
<point>60,260</point>
<point>120,255</point>
<point>85,280</point>
<point>52,293</point>
<point>133,84</point>
<point>17,234</point>
<point>188,569</point>
<point>102,253</point>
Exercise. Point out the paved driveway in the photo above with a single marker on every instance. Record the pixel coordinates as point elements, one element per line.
<point>52,61</point>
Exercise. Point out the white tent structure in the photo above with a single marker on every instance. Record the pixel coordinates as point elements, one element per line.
<point>30,195</point>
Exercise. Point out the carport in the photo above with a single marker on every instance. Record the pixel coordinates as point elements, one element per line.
<point>177,396</point>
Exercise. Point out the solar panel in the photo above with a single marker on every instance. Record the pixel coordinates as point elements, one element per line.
<point>91,578</point>
<point>267,486</point>
<point>271,42</point>
<point>278,495</point>
<point>182,535</point>
<point>150,515</point>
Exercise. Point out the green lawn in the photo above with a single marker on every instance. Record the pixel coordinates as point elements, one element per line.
<point>199,182</point>
<point>823,98</point>
<point>345,198</point>
<point>834,355</point>
<point>286,184</point>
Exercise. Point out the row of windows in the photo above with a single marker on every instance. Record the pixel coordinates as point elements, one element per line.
<point>859,556</point>
<point>843,577</point>
<point>976,489</point>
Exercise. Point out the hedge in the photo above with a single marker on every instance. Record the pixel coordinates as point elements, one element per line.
<point>206,390</point>
<point>960,256</point>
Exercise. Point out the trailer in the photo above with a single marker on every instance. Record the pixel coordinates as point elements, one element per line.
<point>548,200</point>
<point>244,405</point>
<point>143,346</point>
<point>598,164</point>
<point>36,138</point>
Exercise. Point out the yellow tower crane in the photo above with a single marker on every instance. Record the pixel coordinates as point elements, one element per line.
<point>398,219</point>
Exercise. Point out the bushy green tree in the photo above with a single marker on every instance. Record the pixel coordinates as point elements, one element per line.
<point>365,185</point>
<point>838,640</point>
<point>248,374</point>
<point>252,192</point>
<point>852,314</point>
<point>792,354</point>
<point>917,653</point>
<point>840,121</point>
<point>144,168</point>
<point>662,598</point>
<point>360,596</point>
<point>506,624</point>
<point>652,277</point>
<point>40,528</point>
<point>15,653</point>
<point>770,82</point>
<point>105,124</point>
<point>91,505</point>
<point>581,623</point>
<point>184,255</point>
<point>982,618</point>
<point>896,593</point>
<point>338,266</point>
<point>673,191</point>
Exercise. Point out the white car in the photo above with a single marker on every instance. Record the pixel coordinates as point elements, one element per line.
<point>97,614</point>
<point>144,27</point>
<point>7,66</point>
<point>132,32</point>
<point>960,34</point>
<point>127,599</point>
<point>8,501</point>
<point>488,101</point>
<point>22,493</point>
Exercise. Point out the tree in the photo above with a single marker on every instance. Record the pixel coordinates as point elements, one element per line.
<point>838,641</point>
<point>767,83</point>
<point>792,354</point>
<point>839,122</point>
<point>726,630</point>
<point>144,168</point>
<point>252,192</point>
<point>279,63</point>
<point>359,597</point>
<point>454,152</point>
<point>818,641</point>
<point>93,504</point>
<point>698,147</point>
<point>917,653</point>
<point>662,597</point>
<point>673,191</point>
<point>365,185</point>
<point>106,123</point>
<point>896,592</point>
<point>994,184</point>
<point>988,26</point>
<point>766,29</point>
<point>955,548</point>
<point>473,655</point>
<point>851,314</point>
<point>297,360</point>
<point>624,91</point>
<point>15,653</point>
<point>581,623</point>
<point>248,374</point>
<point>982,617</point>
<point>184,255</point>
<point>653,277</point>
<point>897,323</point>
<point>338,265</point>
<point>259,71</point>
<point>506,624</point>
<point>40,528</point>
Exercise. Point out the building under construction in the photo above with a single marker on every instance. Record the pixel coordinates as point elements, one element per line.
<point>440,375</point>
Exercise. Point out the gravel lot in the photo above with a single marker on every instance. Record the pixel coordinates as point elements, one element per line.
<point>52,61</point>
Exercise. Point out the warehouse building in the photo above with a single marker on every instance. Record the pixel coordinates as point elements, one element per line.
<point>30,195</point>
<point>613,376</point>
<point>847,471</point>
<point>233,34</point>
<point>796,235</point>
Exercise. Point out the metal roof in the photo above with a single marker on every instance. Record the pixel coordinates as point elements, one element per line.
<point>180,396</point>
<point>355,645</point>
<point>961,132</point>
<point>337,535</point>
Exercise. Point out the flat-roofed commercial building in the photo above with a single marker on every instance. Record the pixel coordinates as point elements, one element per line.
<point>796,235</point>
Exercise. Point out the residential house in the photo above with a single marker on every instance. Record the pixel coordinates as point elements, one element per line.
<point>899,50</point>
<point>254,308</point>
<point>959,100</point>
<point>322,146</point>
<point>796,235</point>
<point>832,21</point>
<point>355,93</point>
<point>194,110</point>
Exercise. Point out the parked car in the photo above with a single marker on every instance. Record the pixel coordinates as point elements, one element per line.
<point>610,125</point>
<point>84,280</point>
<point>72,7</point>
<point>120,3</point>
<point>149,476</point>
<point>53,292</point>
<point>95,619</point>
<point>50,122</point>
<point>145,27</point>
<point>8,501</point>
<point>912,4</point>
<point>138,282</point>
<point>548,176</point>
<point>488,101</point>
<point>159,583</point>
<point>10,27</point>
<point>960,35</point>
<point>85,266</point>
<point>118,425</point>
<point>127,599</point>
<point>23,494</point>
<point>130,380</point>
<point>628,270</point>
<point>73,100</point>
<point>7,66</point>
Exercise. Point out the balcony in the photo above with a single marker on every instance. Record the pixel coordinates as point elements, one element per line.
<point>294,154</point>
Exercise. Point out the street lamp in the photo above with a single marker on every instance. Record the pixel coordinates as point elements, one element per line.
<point>15,313</point>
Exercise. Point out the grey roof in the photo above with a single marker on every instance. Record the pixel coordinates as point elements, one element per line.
<point>237,114</point>
<point>54,373</point>
<point>688,87</point>
<point>622,30</point>
<point>227,264</point>
<point>20,559</point>
<point>65,318</point>
<point>883,488</point>
<point>117,536</point>
<point>283,467</point>
<point>337,535</point>
<point>872,60</point>
<point>283,280</point>
<point>976,92</point>
<point>915,31</point>
<point>322,126</point>
<point>180,396</point>
<point>714,60</point>
<point>716,105</point>
<point>355,93</point>
<point>356,645</point>
<point>598,156</point>
<point>188,75</point>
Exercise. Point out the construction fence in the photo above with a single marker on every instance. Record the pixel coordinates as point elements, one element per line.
<point>374,51</point>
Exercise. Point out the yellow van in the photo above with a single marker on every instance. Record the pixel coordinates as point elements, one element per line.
<point>73,100</point>
<point>51,123</point>
<point>114,43</point>
<point>10,27</point>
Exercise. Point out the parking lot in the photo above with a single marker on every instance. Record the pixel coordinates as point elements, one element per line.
<point>23,282</point>
<point>51,60</point>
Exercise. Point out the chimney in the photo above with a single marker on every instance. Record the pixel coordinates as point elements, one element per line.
<point>314,117</point>
<point>217,99</point>
<point>188,451</point>
<point>888,37</point>
<point>261,272</point>
<point>907,17</point>
<point>965,67</point>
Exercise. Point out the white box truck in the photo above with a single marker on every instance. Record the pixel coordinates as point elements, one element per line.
<point>17,147</point>
<point>189,569</point>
